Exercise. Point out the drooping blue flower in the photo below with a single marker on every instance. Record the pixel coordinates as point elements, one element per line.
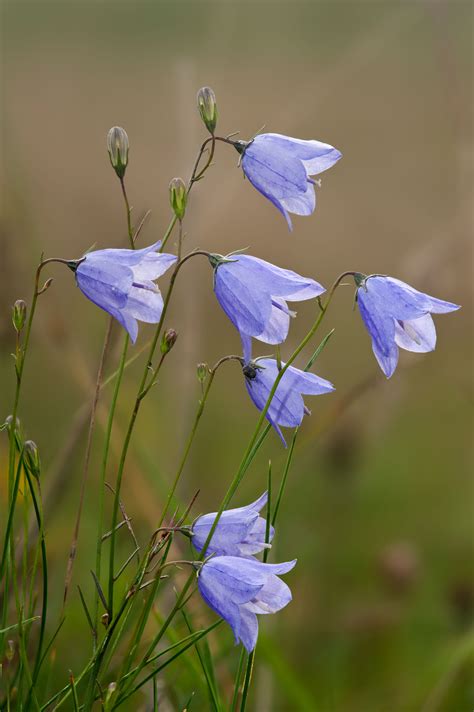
<point>121,283</point>
<point>254,294</point>
<point>397,315</point>
<point>239,589</point>
<point>280,167</point>
<point>287,407</point>
<point>239,532</point>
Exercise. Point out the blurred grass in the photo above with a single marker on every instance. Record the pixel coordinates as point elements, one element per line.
<point>390,84</point>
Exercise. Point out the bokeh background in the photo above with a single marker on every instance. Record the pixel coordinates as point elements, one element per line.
<point>379,504</point>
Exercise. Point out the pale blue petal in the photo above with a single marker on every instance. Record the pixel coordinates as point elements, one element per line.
<point>247,306</point>
<point>316,155</point>
<point>145,305</point>
<point>127,257</point>
<point>396,298</point>
<point>278,282</point>
<point>152,266</point>
<point>301,204</point>
<point>277,327</point>
<point>104,283</point>
<point>248,632</point>
<point>381,328</point>
<point>274,596</point>
<point>418,335</point>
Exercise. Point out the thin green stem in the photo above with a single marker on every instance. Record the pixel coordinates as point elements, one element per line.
<point>242,467</point>
<point>85,471</point>
<point>103,472</point>
<point>129,213</point>
<point>197,418</point>
<point>248,678</point>
<point>284,478</point>
<point>235,696</point>
<point>254,444</point>
<point>195,176</point>
<point>142,390</point>
<point>44,563</point>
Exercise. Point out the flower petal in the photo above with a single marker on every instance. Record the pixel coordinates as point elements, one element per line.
<point>381,328</point>
<point>277,327</point>
<point>316,155</point>
<point>274,596</point>
<point>245,303</point>
<point>248,632</point>
<point>278,282</point>
<point>152,266</point>
<point>126,257</point>
<point>145,305</point>
<point>418,335</point>
<point>104,283</point>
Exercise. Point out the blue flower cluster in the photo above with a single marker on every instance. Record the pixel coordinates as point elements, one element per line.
<point>255,295</point>
<point>237,586</point>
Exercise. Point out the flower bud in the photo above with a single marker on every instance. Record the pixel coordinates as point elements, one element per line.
<point>10,651</point>
<point>110,692</point>
<point>168,340</point>
<point>19,315</point>
<point>207,106</point>
<point>202,371</point>
<point>117,146</point>
<point>9,421</point>
<point>178,197</point>
<point>32,458</point>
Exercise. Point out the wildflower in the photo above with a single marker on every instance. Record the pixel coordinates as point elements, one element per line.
<point>397,315</point>
<point>238,589</point>
<point>121,283</point>
<point>253,294</point>
<point>239,532</point>
<point>279,167</point>
<point>287,407</point>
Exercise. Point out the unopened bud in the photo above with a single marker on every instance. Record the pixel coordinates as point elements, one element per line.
<point>19,314</point>
<point>104,619</point>
<point>202,371</point>
<point>168,340</point>
<point>32,458</point>
<point>9,421</point>
<point>110,691</point>
<point>178,197</point>
<point>117,146</point>
<point>207,105</point>
<point>10,651</point>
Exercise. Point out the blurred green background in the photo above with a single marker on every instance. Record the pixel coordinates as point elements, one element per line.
<point>379,506</point>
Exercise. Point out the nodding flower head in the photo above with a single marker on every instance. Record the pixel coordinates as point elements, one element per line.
<point>239,532</point>
<point>239,589</point>
<point>254,294</point>
<point>121,283</point>
<point>397,316</point>
<point>279,167</point>
<point>287,407</point>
